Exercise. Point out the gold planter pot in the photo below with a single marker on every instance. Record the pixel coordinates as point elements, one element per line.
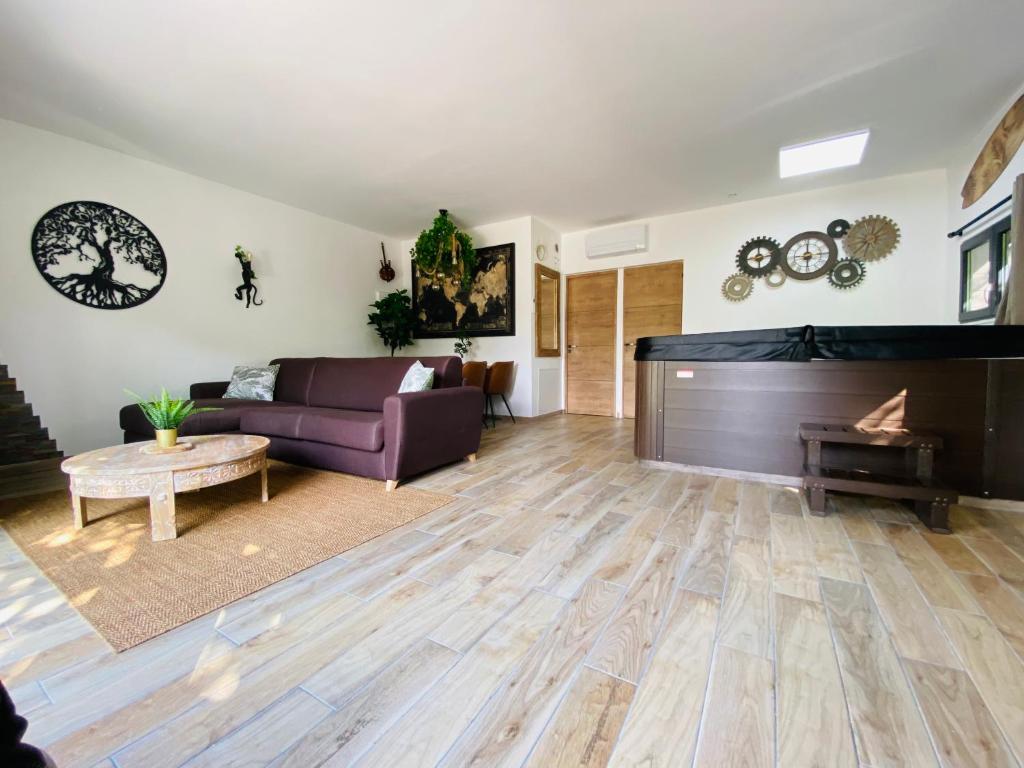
<point>166,438</point>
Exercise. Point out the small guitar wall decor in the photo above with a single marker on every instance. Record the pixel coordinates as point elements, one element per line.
<point>247,289</point>
<point>387,272</point>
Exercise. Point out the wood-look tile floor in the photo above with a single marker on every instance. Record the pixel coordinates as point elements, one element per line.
<point>570,608</point>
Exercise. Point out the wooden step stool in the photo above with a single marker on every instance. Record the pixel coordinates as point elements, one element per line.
<point>931,501</point>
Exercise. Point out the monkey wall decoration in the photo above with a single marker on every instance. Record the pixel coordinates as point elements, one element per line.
<point>248,275</point>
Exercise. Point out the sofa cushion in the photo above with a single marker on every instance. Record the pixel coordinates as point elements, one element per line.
<point>293,379</point>
<point>363,430</point>
<point>226,420</point>
<point>252,382</point>
<point>417,379</point>
<point>361,384</point>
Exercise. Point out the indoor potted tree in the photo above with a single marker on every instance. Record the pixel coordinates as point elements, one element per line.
<point>394,320</point>
<point>166,414</point>
<point>444,250</point>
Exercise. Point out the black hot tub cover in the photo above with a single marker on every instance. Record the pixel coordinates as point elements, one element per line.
<point>838,342</point>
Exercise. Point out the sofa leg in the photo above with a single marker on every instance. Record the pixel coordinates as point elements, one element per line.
<point>471,457</point>
<point>390,485</point>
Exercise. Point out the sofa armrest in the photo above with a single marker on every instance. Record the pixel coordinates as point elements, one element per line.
<point>423,430</point>
<point>208,389</point>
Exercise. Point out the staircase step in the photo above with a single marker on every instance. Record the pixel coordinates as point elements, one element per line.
<point>30,453</point>
<point>24,441</point>
<point>32,477</point>
<point>17,397</point>
<point>24,434</point>
<point>28,467</point>
<point>18,425</point>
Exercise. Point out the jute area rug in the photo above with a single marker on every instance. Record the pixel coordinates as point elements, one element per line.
<point>229,544</point>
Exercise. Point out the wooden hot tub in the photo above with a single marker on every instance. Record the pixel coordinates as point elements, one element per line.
<point>734,401</point>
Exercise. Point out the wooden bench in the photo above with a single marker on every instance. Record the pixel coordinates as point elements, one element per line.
<point>931,501</point>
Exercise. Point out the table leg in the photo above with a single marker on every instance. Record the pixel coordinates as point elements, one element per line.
<point>161,509</point>
<point>263,484</point>
<point>78,508</point>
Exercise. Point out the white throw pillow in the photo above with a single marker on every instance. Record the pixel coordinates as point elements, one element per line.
<point>253,382</point>
<point>417,379</point>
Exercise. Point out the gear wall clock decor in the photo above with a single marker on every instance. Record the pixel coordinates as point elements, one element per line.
<point>808,255</point>
<point>812,255</point>
<point>98,255</point>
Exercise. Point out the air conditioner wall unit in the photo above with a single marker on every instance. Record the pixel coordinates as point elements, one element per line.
<point>617,241</point>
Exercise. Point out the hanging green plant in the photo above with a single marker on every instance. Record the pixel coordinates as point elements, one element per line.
<point>445,251</point>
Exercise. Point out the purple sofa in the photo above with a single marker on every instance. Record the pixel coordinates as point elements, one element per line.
<point>345,414</point>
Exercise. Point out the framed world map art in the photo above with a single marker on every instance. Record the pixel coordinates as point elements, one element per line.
<point>445,309</point>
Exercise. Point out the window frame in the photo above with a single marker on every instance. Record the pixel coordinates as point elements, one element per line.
<point>992,236</point>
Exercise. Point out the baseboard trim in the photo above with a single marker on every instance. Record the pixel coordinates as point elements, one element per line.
<point>505,417</point>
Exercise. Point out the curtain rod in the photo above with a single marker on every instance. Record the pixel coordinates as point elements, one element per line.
<point>979,217</point>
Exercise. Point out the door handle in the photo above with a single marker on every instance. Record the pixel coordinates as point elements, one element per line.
<point>571,347</point>
<point>630,343</point>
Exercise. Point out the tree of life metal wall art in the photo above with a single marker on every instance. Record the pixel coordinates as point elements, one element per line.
<point>98,255</point>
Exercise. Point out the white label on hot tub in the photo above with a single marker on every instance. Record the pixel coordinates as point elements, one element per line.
<point>684,373</point>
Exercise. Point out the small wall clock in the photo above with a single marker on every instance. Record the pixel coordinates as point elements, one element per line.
<point>809,255</point>
<point>98,255</point>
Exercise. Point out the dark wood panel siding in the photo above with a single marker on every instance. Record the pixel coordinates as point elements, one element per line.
<point>1007,426</point>
<point>649,390</point>
<point>745,416</point>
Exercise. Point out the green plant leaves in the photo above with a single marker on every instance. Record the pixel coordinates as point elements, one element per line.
<point>445,251</point>
<point>167,412</point>
<point>394,320</point>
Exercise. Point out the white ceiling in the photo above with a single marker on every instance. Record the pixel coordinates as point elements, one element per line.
<point>581,112</point>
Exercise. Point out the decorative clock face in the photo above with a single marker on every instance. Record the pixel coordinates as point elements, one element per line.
<point>758,257</point>
<point>809,255</point>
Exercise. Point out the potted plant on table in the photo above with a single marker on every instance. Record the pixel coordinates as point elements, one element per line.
<point>166,414</point>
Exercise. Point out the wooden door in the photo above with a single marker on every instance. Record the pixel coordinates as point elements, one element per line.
<point>590,311</point>
<point>652,305</point>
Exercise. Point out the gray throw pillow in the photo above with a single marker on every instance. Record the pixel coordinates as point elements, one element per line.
<point>417,379</point>
<point>252,382</point>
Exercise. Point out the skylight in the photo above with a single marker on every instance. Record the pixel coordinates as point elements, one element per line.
<point>836,152</point>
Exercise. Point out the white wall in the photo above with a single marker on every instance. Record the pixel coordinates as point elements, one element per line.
<point>547,371</point>
<point>316,275</point>
<point>1002,187</point>
<point>910,286</point>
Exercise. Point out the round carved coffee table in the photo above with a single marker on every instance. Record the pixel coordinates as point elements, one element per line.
<point>125,471</point>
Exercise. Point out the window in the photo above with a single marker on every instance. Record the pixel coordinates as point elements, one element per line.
<point>984,270</point>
